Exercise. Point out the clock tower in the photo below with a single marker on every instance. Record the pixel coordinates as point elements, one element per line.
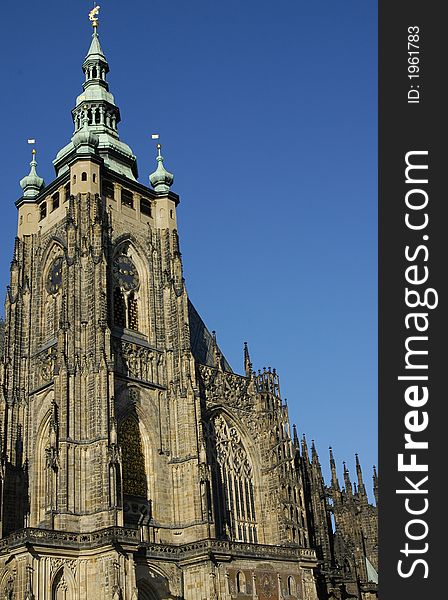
<point>135,464</point>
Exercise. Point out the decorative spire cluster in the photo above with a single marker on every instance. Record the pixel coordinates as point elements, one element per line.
<point>96,117</point>
<point>32,183</point>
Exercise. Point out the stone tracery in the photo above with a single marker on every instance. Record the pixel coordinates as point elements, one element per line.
<point>126,294</point>
<point>234,487</point>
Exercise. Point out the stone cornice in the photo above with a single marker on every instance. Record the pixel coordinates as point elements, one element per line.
<point>131,538</point>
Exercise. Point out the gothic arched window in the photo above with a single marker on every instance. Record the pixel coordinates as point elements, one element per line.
<point>62,588</point>
<point>133,460</point>
<point>234,486</point>
<point>127,283</point>
<point>52,292</point>
<point>240,583</point>
<point>292,590</point>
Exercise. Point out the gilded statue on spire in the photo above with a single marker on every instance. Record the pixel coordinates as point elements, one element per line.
<point>93,15</point>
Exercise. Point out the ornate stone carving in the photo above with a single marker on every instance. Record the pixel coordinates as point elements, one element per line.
<point>8,592</point>
<point>52,450</point>
<point>267,585</point>
<point>229,449</point>
<point>62,585</point>
<point>114,450</point>
<point>136,361</point>
<point>46,364</point>
<point>226,388</point>
<point>58,563</point>
<point>116,593</point>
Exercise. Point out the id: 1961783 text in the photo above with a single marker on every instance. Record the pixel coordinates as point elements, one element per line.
<point>414,64</point>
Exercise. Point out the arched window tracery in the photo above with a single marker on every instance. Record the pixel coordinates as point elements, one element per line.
<point>62,587</point>
<point>234,485</point>
<point>133,460</point>
<point>133,486</point>
<point>126,290</point>
<point>52,291</point>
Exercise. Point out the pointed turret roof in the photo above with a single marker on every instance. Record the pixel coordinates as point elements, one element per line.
<point>95,52</point>
<point>314,455</point>
<point>32,183</point>
<point>305,449</point>
<point>334,477</point>
<point>247,361</point>
<point>161,180</point>
<point>361,486</point>
<point>375,484</point>
<point>295,437</point>
<point>348,483</point>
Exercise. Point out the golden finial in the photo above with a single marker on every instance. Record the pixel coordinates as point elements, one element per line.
<point>93,15</point>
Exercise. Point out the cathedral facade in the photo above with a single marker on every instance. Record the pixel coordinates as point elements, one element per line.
<point>135,464</point>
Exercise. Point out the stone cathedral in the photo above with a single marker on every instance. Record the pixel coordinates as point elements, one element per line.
<point>135,463</point>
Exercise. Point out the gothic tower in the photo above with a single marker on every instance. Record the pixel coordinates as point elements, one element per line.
<point>135,462</point>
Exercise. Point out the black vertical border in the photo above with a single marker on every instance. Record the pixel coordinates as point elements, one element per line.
<point>404,127</point>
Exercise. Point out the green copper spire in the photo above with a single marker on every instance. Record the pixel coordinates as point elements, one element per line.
<point>161,180</point>
<point>95,52</point>
<point>97,112</point>
<point>32,183</point>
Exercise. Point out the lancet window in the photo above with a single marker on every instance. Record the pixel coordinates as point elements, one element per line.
<point>292,588</point>
<point>61,588</point>
<point>125,294</point>
<point>53,279</point>
<point>133,460</point>
<point>240,583</point>
<point>234,485</point>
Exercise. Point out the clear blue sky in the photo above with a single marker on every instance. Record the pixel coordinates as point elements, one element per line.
<point>268,118</point>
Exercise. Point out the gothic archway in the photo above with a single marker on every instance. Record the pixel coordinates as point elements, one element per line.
<point>130,289</point>
<point>145,591</point>
<point>63,586</point>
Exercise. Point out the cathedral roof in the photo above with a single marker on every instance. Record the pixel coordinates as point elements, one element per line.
<point>202,341</point>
